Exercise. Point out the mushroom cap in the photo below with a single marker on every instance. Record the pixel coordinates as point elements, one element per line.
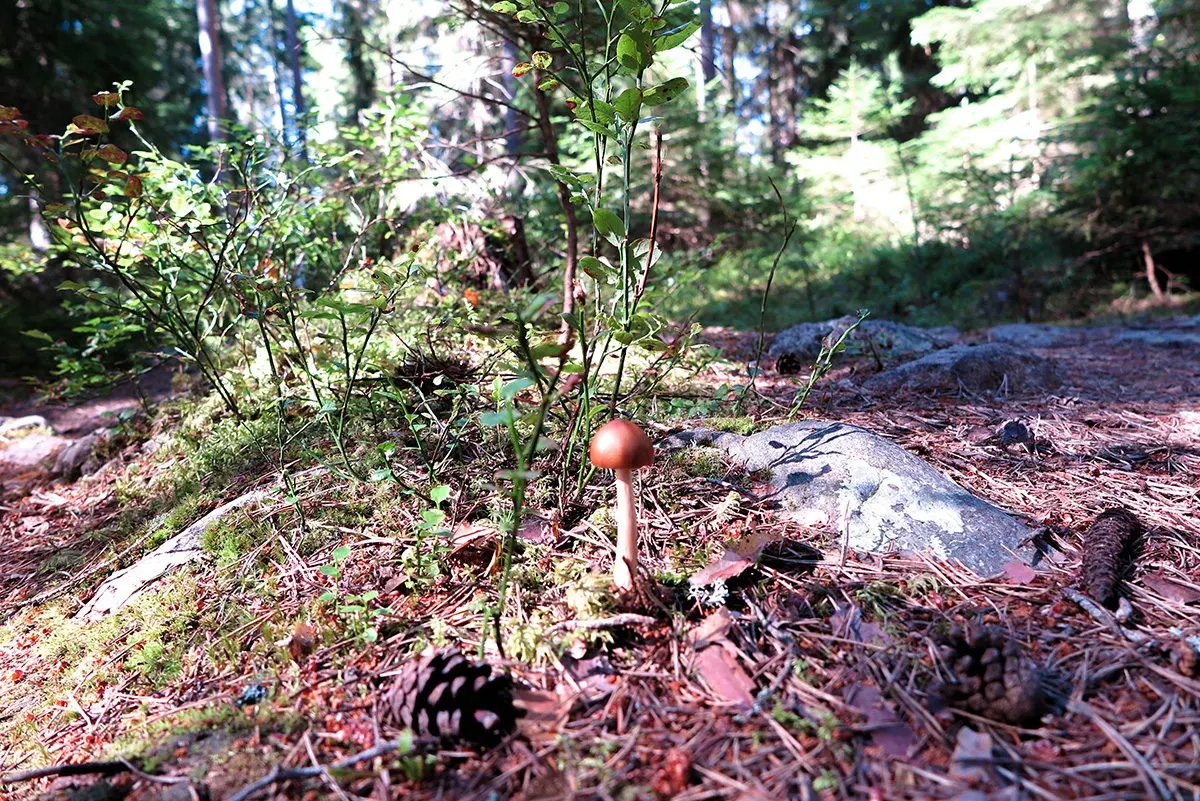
<point>621,445</point>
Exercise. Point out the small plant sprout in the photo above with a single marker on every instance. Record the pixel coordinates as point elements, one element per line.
<point>622,447</point>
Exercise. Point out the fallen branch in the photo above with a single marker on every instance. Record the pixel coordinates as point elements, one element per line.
<point>69,769</point>
<point>624,619</point>
<point>282,775</point>
<point>1103,616</point>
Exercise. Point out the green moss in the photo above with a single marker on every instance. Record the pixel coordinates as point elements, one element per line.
<point>734,425</point>
<point>701,462</point>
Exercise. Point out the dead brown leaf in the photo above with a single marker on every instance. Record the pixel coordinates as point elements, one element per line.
<point>886,730</point>
<point>1172,589</point>
<point>1019,573</point>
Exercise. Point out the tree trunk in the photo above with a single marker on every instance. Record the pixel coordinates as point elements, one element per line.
<point>276,66</point>
<point>512,120</point>
<point>708,46</point>
<point>729,43</point>
<point>209,21</point>
<point>293,48</point>
<point>39,235</point>
<point>1151,270</point>
<point>362,79</point>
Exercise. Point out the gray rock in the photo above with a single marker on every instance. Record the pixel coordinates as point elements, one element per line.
<point>33,451</point>
<point>796,348</point>
<point>11,425</point>
<point>1034,335</point>
<point>1174,337</point>
<point>977,368</point>
<point>125,586</point>
<point>74,459</point>
<point>874,492</point>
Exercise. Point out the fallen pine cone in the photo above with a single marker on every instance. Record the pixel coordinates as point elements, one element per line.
<point>1106,543</point>
<point>990,676</point>
<point>444,695</point>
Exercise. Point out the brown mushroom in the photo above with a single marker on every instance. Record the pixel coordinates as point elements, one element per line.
<point>622,447</point>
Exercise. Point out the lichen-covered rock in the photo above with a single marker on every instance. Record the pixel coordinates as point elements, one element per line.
<point>1036,335</point>
<point>75,458</point>
<point>795,349</point>
<point>873,492</point>
<point>992,368</point>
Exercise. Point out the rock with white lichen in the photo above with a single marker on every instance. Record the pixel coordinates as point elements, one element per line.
<point>878,495</point>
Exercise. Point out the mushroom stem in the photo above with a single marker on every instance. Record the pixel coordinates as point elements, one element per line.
<point>625,566</point>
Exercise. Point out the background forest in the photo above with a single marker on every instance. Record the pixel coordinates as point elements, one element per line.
<point>953,162</point>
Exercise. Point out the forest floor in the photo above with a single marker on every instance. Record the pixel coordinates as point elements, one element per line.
<point>810,680</point>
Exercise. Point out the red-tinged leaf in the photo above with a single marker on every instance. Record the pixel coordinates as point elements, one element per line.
<point>9,113</point>
<point>65,224</point>
<point>522,68</point>
<point>133,187</point>
<point>1019,572</point>
<point>730,565</point>
<point>542,60</point>
<point>472,535</point>
<point>99,194</point>
<point>117,175</point>
<point>87,124</point>
<point>847,622</point>
<point>40,141</point>
<point>972,759</point>
<point>727,680</point>
<point>129,113</point>
<point>537,530</point>
<point>13,126</point>
<point>106,99</point>
<point>572,103</point>
<point>113,154</point>
<point>1173,589</point>
<point>887,731</point>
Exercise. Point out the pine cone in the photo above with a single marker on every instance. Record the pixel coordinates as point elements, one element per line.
<point>446,696</point>
<point>1105,544</point>
<point>990,676</point>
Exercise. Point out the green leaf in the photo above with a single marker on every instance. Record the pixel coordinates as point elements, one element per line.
<point>609,224</point>
<point>326,597</point>
<point>542,60</point>
<point>561,8</point>
<point>596,268</point>
<point>665,92</point>
<point>493,419</point>
<point>340,553</point>
<point>629,55</point>
<point>597,128</point>
<point>628,103</point>
<point>564,176</point>
<point>439,493</point>
<point>520,69</point>
<point>675,37</point>
<point>505,7</point>
<point>549,85</point>
<point>333,571</point>
<point>595,111</point>
<point>510,389</point>
<point>433,517</point>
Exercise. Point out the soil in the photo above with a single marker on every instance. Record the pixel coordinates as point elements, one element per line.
<point>835,654</point>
